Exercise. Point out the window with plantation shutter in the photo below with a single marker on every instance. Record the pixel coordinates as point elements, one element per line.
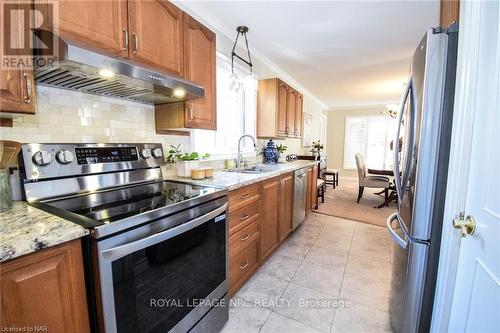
<point>371,137</point>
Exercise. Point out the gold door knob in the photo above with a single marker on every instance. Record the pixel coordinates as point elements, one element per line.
<point>466,225</point>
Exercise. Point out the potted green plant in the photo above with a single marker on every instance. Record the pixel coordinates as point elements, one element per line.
<point>281,148</point>
<point>316,147</point>
<point>184,162</point>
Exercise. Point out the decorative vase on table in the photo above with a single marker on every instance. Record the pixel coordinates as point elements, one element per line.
<point>270,153</point>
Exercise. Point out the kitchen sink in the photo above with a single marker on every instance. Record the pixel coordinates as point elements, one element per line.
<point>253,170</point>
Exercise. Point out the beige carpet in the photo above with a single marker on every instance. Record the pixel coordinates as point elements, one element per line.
<point>341,202</point>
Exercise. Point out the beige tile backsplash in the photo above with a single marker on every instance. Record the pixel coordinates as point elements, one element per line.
<point>64,116</point>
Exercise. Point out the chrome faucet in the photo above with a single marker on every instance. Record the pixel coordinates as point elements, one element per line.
<point>238,159</point>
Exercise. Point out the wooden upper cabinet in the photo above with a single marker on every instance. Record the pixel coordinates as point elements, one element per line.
<point>155,34</point>
<point>269,226</point>
<point>449,12</point>
<point>46,288</point>
<point>200,62</point>
<point>97,25</point>
<point>290,112</point>
<point>286,205</point>
<point>299,104</point>
<point>282,100</point>
<point>279,110</point>
<point>17,93</point>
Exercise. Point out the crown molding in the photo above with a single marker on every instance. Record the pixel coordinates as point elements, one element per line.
<point>358,107</point>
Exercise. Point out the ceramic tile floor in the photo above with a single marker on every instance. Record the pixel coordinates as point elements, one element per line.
<point>330,275</point>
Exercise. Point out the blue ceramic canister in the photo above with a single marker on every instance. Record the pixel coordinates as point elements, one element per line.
<point>270,153</point>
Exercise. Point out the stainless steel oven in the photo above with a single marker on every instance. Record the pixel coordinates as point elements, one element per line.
<point>165,276</point>
<point>157,251</point>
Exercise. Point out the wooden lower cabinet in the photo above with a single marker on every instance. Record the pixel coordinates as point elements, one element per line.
<point>269,228</point>
<point>260,218</point>
<point>244,255</point>
<point>313,192</point>
<point>309,203</point>
<point>244,225</point>
<point>244,196</point>
<point>46,289</point>
<point>285,206</point>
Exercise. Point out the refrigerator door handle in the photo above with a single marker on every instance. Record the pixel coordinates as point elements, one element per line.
<point>397,175</point>
<point>400,184</point>
<point>413,122</point>
<point>400,241</point>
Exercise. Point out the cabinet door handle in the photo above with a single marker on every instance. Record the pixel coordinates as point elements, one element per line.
<point>244,238</point>
<point>244,265</point>
<point>27,81</point>
<point>244,217</point>
<point>244,196</point>
<point>125,39</point>
<point>136,42</point>
<point>190,111</point>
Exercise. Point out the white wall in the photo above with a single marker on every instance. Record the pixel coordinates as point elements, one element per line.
<point>336,134</point>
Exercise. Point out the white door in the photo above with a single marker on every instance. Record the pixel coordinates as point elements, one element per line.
<point>476,298</point>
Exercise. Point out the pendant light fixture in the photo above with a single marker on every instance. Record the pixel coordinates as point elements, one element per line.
<point>250,82</point>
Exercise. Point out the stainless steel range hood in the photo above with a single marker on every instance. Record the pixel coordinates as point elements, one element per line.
<point>76,68</point>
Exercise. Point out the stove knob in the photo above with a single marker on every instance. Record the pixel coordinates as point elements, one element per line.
<point>145,153</point>
<point>157,153</point>
<point>42,158</point>
<point>65,156</point>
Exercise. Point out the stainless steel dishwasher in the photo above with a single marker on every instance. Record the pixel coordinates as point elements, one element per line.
<point>299,197</point>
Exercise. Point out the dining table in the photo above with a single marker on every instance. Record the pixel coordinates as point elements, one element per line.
<point>393,196</point>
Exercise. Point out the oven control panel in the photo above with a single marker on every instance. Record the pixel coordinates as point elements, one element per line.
<point>105,154</point>
<point>43,161</point>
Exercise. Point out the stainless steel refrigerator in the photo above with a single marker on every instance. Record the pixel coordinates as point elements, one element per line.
<point>421,154</point>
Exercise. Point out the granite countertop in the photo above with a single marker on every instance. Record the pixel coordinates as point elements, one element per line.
<point>233,180</point>
<point>25,229</point>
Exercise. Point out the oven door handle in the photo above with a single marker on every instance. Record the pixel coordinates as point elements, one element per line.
<point>125,249</point>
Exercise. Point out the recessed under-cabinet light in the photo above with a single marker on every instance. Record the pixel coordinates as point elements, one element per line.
<point>179,92</point>
<point>106,73</point>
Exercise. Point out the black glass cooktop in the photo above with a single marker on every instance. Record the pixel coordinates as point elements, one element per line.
<point>113,205</point>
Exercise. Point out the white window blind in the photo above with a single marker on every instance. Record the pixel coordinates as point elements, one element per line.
<point>236,115</point>
<point>371,137</point>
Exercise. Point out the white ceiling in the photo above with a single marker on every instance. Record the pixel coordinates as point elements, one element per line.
<point>346,53</point>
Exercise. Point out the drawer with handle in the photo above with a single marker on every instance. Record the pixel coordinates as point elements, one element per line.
<point>243,238</point>
<point>243,264</point>
<point>243,196</point>
<point>244,216</point>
